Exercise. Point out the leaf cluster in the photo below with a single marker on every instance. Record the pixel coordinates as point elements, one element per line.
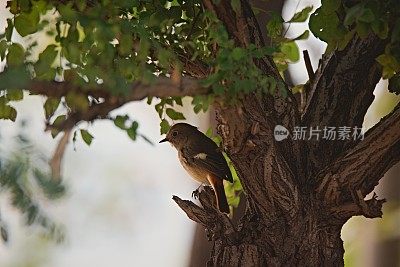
<point>336,22</point>
<point>22,178</point>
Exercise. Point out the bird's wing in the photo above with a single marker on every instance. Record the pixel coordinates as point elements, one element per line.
<point>213,162</point>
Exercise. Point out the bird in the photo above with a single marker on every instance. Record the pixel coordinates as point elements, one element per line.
<point>202,159</point>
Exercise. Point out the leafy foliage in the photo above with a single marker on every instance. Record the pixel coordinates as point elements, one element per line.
<point>336,22</point>
<point>130,126</point>
<point>22,177</point>
<point>286,50</point>
<point>117,43</point>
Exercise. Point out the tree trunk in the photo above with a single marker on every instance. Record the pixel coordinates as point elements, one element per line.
<point>298,193</point>
<point>284,224</point>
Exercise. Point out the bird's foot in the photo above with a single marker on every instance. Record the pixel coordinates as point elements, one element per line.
<point>196,193</point>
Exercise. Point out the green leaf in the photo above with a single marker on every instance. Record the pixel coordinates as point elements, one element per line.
<point>164,126</point>
<point>125,45</point>
<point>331,5</point>
<point>120,121</point>
<point>282,89</point>
<point>367,16</point>
<point>27,23</point>
<point>175,12</point>
<point>381,28</point>
<point>13,7</point>
<point>346,39</point>
<point>298,88</point>
<point>15,94</point>
<point>275,25</point>
<point>43,68</point>
<point>4,233</point>
<point>209,132</point>
<point>238,53</point>
<point>16,55</point>
<point>3,49</point>
<point>291,51</point>
<point>86,136</point>
<point>50,106</point>
<point>197,108</point>
<point>68,14</point>
<point>174,114</point>
<point>236,6</point>
<point>302,15</point>
<point>390,65</point>
<point>362,29</point>
<point>353,13</point>
<point>14,78</point>
<point>156,18</point>
<point>302,36</point>
<point>57,122</point>
<point>77,101</point>
<point>325,24</point>
<point>52,188</point>
<point>9,29</point>
<point>132,131</point>
<point>178,101</point>
<point>211,79</point>
<point>144,47</point>
<point>7,112</point>
<point>270,85</point>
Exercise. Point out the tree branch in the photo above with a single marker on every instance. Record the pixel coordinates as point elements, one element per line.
<point>358,171</point>
<point>160,87</point>
<point>371,208</point>
<point>340,95</point>
<point>55,162</point>
<point>309,67</point>
<point>217,223</point>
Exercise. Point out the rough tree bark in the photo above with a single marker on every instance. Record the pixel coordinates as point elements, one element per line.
<point>201,246</point>
<point>299,194</point>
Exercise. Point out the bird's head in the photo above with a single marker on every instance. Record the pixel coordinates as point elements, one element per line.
<point>179,133</point>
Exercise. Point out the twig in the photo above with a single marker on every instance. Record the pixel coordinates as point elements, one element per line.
<point>310,71</point>
<point>309,67</point>
<point>55,162</point>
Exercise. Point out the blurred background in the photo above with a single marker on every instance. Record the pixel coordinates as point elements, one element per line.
<point>118,208</point>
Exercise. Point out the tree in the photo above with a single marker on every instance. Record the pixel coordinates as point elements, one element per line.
<point>299,193</point>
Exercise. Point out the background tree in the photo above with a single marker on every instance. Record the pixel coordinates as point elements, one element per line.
<point>298,193</point>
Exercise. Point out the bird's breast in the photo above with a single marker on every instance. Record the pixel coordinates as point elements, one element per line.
<point>195,172</point>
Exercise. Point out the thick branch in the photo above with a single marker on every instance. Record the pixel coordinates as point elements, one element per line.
<point>161,87</point>
<point>215,222</point>
<point>371,208</point>
<point>359,170</point>
<point>340,95</point>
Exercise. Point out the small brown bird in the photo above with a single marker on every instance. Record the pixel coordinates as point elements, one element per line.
<point>201,158</point>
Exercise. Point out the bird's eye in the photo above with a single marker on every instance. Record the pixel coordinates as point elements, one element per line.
<point>174,133</point>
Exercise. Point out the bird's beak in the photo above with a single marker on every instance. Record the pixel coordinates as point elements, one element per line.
<point>164,140</point>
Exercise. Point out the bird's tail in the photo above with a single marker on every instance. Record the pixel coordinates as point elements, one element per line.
<point>219,190</point>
